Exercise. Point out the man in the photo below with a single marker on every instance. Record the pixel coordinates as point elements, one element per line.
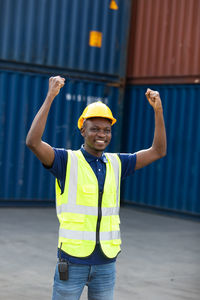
<point>88,195</point>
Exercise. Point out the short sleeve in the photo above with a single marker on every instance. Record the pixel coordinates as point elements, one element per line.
<point>128,161</point>
<point>58,168</point>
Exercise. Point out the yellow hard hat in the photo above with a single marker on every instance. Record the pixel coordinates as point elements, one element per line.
<point>96,109</point>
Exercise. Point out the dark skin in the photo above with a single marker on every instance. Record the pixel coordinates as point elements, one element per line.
<point>97,135</point>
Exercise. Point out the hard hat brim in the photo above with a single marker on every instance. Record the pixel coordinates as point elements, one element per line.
<point>81,120</point>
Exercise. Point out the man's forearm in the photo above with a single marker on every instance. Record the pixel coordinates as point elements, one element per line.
<point>159,145</point>
<point>159,141</point>
<point>38,126</point>
<point>42,150</point>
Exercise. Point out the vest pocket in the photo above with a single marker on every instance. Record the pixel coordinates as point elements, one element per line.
<point>76,218</point>
<point>75,222</point>
<point>87,195</point>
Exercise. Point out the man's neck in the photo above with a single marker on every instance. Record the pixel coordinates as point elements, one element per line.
<point>93,152</point>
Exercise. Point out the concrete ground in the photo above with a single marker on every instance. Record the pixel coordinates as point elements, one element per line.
<point>160,257</point>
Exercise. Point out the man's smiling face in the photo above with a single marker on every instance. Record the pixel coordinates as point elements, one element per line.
<point>97,135</point>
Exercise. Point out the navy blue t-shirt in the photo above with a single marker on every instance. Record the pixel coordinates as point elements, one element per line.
<point>98,164</point>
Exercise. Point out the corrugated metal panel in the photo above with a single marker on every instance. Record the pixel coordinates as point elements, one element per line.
<point>164,42</point>
<point>21,174</point>
<point>172,182</point>
<point>57,33</point>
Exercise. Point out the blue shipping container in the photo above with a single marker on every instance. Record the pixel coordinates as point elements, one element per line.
<point>22,177</point>
<point>171,183</point>
<point>76,35</point>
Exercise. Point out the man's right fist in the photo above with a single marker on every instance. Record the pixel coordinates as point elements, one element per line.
<point>55,84</point>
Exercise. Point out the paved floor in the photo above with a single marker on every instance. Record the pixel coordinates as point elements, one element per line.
<point>160,258</point>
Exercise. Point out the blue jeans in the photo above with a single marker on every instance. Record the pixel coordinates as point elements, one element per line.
<point>100,280</point>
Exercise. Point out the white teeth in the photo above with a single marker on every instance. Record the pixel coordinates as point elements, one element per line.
<point>99,141</point>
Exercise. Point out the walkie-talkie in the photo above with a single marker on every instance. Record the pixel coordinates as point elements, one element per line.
<point>63,267</point>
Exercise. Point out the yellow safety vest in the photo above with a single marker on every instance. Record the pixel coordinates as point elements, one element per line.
<point>86,217</point>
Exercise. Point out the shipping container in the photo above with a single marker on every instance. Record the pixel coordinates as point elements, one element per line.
<point>75,36</point>
<point>23,179</point>
<point>164,42</point>
<point>172,183</point>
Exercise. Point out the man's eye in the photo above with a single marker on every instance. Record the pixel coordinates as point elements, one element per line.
<point>107,131</point>
<point>94,129</point>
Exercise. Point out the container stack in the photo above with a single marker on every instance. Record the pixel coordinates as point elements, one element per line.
<point>109,50</point>
<point>84,41</point>
<point>164,55</point>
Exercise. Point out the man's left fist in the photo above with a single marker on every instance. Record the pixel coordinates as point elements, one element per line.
<point>154,99</point>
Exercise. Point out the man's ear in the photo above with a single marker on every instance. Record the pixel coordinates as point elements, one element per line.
<point>82,130</point>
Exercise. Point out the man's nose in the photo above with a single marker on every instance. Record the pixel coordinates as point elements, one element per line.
<point>101,133</point>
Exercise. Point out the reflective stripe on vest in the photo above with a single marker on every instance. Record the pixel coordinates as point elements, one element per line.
<point>77,207</point>
<point>90,236</point>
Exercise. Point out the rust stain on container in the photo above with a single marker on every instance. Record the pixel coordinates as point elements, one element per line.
<point>164,41</point>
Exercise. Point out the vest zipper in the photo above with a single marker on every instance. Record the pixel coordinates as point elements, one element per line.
<point>99,217</point>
